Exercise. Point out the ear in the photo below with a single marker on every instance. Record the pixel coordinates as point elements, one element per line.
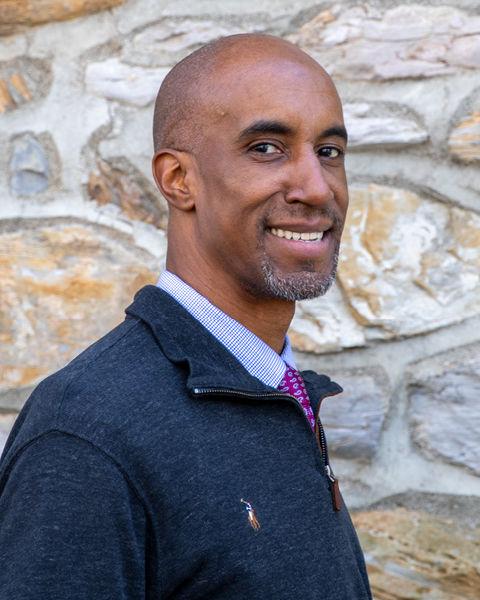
<point>173,171</point>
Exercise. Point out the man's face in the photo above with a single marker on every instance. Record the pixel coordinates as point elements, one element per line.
<point>273,193</point>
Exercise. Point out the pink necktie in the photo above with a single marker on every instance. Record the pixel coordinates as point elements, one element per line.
<point>292,383</point>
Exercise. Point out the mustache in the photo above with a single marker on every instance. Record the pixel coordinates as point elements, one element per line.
<point>303,212</point>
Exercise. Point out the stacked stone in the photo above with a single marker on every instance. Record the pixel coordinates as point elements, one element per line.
<point>82,227</point>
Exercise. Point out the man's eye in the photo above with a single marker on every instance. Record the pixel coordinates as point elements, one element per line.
<point>266,148</point>
<point>330,152</point>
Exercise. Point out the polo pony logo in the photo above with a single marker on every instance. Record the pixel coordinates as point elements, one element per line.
<point>252,517</point>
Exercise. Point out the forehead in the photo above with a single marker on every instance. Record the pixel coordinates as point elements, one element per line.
<point>297,92</point>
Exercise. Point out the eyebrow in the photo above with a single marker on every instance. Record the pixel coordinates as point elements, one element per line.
<point>265,127</point>
<point>336,130</point>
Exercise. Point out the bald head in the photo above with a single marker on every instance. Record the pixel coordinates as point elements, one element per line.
<point>186,91</point>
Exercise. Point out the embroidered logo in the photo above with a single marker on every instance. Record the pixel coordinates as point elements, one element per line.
<point>252,517</point>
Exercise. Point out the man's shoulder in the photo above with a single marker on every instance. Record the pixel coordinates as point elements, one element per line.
<point>116,355</point>
<point>104,395</point>
<point>124,354</point>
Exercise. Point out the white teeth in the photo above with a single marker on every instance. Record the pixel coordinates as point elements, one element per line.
<point>295,235</point>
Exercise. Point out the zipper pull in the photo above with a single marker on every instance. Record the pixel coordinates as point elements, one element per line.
<point>334,489</point>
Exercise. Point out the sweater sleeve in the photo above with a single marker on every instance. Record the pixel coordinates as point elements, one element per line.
<point>71,527</point>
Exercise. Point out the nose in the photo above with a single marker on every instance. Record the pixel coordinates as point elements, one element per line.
<point>308,181</point>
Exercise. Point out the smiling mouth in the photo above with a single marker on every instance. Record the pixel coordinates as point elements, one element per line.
<point>313,236</point>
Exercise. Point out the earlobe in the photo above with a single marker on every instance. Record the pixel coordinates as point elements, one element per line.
<point>173,175</point>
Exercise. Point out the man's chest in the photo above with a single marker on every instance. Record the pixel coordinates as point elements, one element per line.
<point>248,509</point>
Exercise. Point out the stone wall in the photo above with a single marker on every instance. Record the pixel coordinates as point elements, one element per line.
<point>82,227</point>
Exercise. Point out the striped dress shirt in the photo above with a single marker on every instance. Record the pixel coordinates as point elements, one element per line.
<point>258,358</point>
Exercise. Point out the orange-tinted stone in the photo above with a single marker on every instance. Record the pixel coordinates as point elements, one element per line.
<point>18,13</point>
<point>64,284</point>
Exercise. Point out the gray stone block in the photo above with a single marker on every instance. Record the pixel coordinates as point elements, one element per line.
<point>444,410</point>
<point>29,166</point>
<point>353,421</point>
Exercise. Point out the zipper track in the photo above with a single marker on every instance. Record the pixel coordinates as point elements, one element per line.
<point>319,431</point>
<point>321,439</point>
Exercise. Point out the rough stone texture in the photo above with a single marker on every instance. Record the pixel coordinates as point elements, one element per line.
<point>131,128</point>
<point>353,420</point>
<point>272,15</point>
<point>413,555</point>
<point>13,46</point>
<point>408,264</point>
<point>115,185</point>
<point>444,407</point>
<point>368,127</point>
<point>407,41</point>
<point>17,13</point>
<point>325,325</point>
<point>170,40</point>
<point>21,81</point>
<point>63,285</point>
<point>464,141</point>
<point>29,166</point>
<point>115,80</point>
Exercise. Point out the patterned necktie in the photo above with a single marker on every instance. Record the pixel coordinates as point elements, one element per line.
<point>292,383</point>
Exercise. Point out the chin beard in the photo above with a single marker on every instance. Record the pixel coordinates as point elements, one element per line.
<point>303,285</point>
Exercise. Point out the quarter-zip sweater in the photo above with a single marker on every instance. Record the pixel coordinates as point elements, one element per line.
<point>155,466</point>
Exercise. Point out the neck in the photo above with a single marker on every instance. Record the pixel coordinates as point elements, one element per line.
<point>268,318</point>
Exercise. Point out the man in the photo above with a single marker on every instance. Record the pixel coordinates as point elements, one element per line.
<point>182,455</point>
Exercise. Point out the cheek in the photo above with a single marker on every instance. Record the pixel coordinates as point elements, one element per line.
<point>337,180</point>
<point>243,198</point>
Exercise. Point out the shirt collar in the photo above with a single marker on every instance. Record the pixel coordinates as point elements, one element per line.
<point>257,357</point>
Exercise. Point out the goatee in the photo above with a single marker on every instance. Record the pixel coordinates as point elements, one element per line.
<point>302,285</point>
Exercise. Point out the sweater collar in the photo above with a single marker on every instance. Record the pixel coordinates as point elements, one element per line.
<point>186,342</point>
<point>258,358</point>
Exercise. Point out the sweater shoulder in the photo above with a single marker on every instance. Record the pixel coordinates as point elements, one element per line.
<point>94,394</point>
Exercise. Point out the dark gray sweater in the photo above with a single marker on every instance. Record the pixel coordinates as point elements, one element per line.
<point>125,473</point>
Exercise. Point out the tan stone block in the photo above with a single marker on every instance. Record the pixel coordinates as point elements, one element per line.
<point>408,264</point>
<point>64,284</point>
<point>412,555</point>
<point>20,85</point>
<point>6,100</point>
<point>465,228</point>
<point>17,13</point>
<point>464,141</point>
